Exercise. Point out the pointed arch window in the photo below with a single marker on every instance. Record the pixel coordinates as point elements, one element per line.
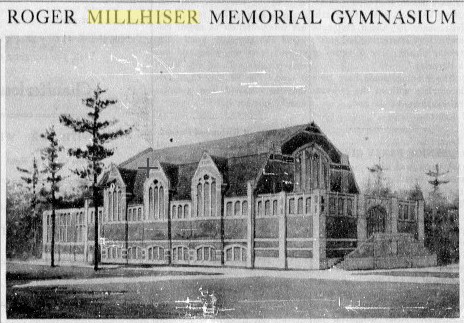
<point>311,169</point>
<point>206,196</point>
<point>156,200</point>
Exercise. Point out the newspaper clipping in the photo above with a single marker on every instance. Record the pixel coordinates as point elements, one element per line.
<point>224,160</point>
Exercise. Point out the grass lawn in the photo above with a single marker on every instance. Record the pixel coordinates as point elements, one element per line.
<point>415,274</point>
<point>253,297</point>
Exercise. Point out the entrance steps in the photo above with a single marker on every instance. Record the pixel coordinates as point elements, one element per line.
<point>386,251</point>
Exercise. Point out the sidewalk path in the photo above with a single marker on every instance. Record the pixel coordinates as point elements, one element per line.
<point>228,273</point>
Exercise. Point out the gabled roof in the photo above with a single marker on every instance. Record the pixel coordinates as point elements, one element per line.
<point>311,133</point>
<point>239,159</point>
<point>128,176</point>
<point>241,170</point>
<point>238,146</point>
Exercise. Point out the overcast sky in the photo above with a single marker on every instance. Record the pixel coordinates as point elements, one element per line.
<point>390,97</point>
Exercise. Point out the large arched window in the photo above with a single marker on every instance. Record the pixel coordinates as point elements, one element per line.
<point>206,196</point>
<point>156,201</point>
<point>115,204</point>
<point>311,169</point>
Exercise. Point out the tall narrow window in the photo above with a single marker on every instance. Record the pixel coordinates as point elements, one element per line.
<point>308,161</point>
<point>349,207</point>
<point>110,206</point>
<point>341,206</point>
<point>161,202</point>
<point>156,200</point>
<point>179,212</point>
<point>315,175</point>
<point>150,203</point>
<point>237,208</point>
<point>174,212</point>
<point>274,207</point>
<point>115,206</point>
<point>213,198</point>
<point>325,175</point>
<point>332,206</point>
<point>260,208</point>
<point>267,207</point>
<point>300,206</point>
<point>291,206</point>
<point>186,211</point>
<point>119,206</point>
<point>199,200</point>
<point>308,205</point>
<point>413,212</point>
<point>207,204</point>
<point>298,183</point>
<point>244,208</point>
<point>229,209</point>
<point>139,214</point>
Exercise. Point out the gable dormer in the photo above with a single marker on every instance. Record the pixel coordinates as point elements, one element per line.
<point>156,192</point>
<point>207,183</point>
<point>114,195</point>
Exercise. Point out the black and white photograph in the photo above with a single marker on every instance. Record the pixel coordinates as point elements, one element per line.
<point>231,177</point>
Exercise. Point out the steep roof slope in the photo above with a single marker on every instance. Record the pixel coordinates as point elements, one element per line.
<point>238,146</point>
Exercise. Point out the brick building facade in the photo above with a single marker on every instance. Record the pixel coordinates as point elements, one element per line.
<point>284,198</point>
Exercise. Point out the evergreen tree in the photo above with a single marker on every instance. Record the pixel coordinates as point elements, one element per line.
<point>95,152</point>
<point>51,168</point>
<point>416,193</point>
<point>31,179</point>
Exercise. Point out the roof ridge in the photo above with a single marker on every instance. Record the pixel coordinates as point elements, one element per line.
<point>260,139</point>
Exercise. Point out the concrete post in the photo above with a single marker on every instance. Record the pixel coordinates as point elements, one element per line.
<point>420,222</point>
<point>362,221</point>
<point>283,231</point>
<point>250,225</point>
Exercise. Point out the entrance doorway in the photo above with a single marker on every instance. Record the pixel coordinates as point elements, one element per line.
<point>376,219</point>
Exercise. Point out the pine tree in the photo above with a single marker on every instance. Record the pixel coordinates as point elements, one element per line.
<point>95,152</point>
<point>31,178</point>
<point>51,168</point>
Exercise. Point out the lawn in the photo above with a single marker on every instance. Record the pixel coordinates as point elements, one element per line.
<point>250,297</point>
<point>414,274</point>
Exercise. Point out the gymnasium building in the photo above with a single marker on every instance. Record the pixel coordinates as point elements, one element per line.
<point>284,198</point>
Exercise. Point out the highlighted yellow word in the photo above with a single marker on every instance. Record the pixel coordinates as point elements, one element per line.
<point>144,17</point>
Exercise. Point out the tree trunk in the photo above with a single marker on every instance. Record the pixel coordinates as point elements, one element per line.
<point>95,204</point>
<point>52,251</point>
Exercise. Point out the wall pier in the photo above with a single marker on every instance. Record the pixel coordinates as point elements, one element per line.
<point>250,263</point>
